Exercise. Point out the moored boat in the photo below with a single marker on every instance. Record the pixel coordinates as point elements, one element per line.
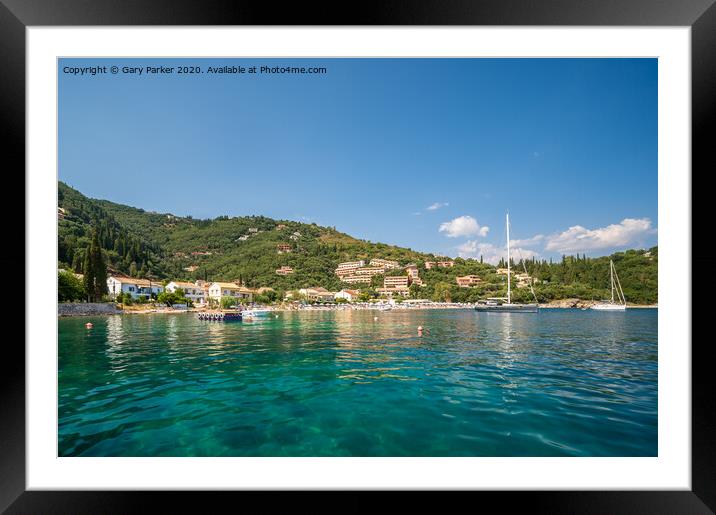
<point>256,312</point>
<point>613,305</point>
<point>496,304</point>
<point>498,307</point>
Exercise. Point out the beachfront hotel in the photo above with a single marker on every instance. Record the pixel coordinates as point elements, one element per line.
<point>398,290</point>
<point>218,290</point>
<point>467,281</point>
<point>398,281</point>
<point>192,291</point>
<point>349,295</point>
<point>137,288</point>
<point>317,294</point>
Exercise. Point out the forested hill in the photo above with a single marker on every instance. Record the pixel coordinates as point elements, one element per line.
<point>224,248</point>
<point>165,246</point>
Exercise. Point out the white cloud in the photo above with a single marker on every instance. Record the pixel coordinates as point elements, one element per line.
<point>529,242</point>
<point>463,226</point>
<point>578,238</point>
<point>437,205</point>
<point>492,254</point>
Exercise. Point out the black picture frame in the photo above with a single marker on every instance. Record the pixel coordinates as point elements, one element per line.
<point>700,15</point>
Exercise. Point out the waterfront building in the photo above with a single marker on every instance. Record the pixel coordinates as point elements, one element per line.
<point>349,295</point>
<point>284,270</point>
<point>317,294</point>
<point>219,289</point>
<point>466,281</point>
<point>192,291</point>
<point>137,288</point>
<point>389,292</point>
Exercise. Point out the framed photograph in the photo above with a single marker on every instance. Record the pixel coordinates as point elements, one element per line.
<point>425,249</point>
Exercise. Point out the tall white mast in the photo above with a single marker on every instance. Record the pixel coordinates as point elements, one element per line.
<point>611,277</point>
<point>507,223</point>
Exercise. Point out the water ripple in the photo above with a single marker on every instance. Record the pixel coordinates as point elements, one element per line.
<point>560,383</point>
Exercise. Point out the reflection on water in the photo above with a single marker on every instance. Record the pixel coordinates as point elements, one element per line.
<point>361,383</point>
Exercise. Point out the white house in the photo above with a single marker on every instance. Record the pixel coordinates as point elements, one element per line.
<point>192,291</point>
<point>218,290</point>
<point>349,295</point>
<point>137,288</point>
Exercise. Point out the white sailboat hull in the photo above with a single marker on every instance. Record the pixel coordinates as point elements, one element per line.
<point>609,307</point>
<point>256,313</point>
<point>508,308</point>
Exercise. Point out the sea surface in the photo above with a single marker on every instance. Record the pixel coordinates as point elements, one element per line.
<point>558,383</point>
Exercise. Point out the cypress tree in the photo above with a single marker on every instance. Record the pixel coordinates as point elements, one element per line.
<point>95,270</point>
<point>88,271</point>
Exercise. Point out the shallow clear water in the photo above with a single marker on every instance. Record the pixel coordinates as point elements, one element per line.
<point>557,383</point>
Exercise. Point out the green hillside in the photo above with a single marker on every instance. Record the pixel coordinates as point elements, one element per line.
<point>164,246</point>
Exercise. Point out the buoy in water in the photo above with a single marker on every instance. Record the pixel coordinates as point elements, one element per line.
<point>89,325</point>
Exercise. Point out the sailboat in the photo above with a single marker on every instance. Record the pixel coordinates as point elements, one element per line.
<point>612,305</point>
<point>496,305</point>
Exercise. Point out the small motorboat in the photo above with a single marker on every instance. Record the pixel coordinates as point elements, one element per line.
<point>256,312</point>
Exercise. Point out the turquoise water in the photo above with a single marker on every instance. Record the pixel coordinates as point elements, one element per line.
<point>557,383</point>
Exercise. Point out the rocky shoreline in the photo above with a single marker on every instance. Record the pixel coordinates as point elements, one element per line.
<point>584,304</point>
<point>69,309</point>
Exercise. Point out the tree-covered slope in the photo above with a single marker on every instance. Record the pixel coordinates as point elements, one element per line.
<point>125,250</point>
<point>224,248</point>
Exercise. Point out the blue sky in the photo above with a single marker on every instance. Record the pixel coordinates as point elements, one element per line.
<point>423,153</point>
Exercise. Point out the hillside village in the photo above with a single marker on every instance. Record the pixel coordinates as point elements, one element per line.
<point>202,293</point>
